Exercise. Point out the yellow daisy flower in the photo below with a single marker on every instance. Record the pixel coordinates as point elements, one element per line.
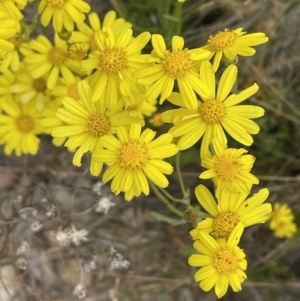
<point>141,107</point>
<point>231,43</point>
<point>63,12</point>
<point>229,168</point>
<point>281,221</point>
<point>32,89</point>
<point>50,58</point>
<point>19,128</point>
<point>87,124</point>
<point>156,121</point>
<point>10,9</point>
<point>222,263</point>
<point>170,66</point>
<point>8,28</point>
<point>215,113</point>
<point>115,60</point>
<point>134,157</point>
<point>86,34</point>
<point>231,209</point>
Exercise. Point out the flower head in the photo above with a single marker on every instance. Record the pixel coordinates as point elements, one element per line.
<point>222,262</point>
<point>229,168</point>
<point>87,124</point>
<point>281,221</point>
<point>114,61</point>
<point>170,66</point>
<point>134,157</point>
<point>86,33</point>
<point>215,114</point>
<point>231,43</point>
<point>50,58</point>
<point>63,12</point>
<point>230,210</point>
<point>19,128</point>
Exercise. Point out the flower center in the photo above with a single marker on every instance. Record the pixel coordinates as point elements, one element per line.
<point>112,60</point>
<point>225,261</point>
<point>39,85</point>
<point>77,52</point>
<point>57,3</point>
<point>73,91</point>
<point>93,44</point>
<point>57,56</point>
<point>177,63</point>
<point>133,155</point>
<point>15,41</point>
<point>136,106</point>
<point>25,123</point>
<point>227,168</point>
<point>98,124</point>
<point>221,40</point>
<point>212,111</point>
<point>224,223</point>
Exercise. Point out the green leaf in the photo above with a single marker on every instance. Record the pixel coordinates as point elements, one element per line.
<point>163,218</point>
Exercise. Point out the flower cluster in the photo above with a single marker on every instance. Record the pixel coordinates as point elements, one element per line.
<point>92,89</point>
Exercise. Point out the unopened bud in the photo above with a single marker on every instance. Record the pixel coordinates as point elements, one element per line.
<point>190,215</point>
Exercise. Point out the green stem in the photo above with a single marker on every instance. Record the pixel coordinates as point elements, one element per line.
<point>179,175</point>
<point>165,200</point>
<point>169,196</point>
<point>178,15</point>
<point>117,8</point>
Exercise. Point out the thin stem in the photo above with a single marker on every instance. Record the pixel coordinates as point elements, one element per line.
<point>179,175</point>
<point>168,195</point>
<point>165,200</point>
<point>117,8</point>
<point>178,15</point>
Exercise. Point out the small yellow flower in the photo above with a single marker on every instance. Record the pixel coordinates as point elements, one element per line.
<point>50,58</point>
<point>170,66</point>
<point>63,12</point>
<point>231,43</point>
<point>134,157</point>
<point>230,210</point>
<point>222,263</point>
<point>78,52</point>
<point>86,34</point>
<point>156,121</point>
<point>114,61</point>
<point>229,168</point>
<point>281,221</point>
<point>19,128</point>
<point>217,113</point>
<point>87,124</point>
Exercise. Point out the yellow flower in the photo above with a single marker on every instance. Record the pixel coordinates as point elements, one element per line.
<point>87,124</point>
<point>229,168</point>
<point>32,89</point>
<point>230,210</point>
<point>141,107</point>
<point>86,34</point>
<point>50,58</point>
<point>170,66</point>
<point>216,113</point>
<point>19,128</point>
<point>10,10</point>
<point>115,60</point>
<point>281,221</point>
<point>63,12</point>
<point>6,81</point>
<point>156,121</point>
<point>222,262</point>
<point>8,29</point>
<point>233,43</point>
<point>134,157</point>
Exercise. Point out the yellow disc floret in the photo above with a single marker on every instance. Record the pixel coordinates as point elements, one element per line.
<point>98,124</point>
<point>57,3</point>
<point>227,168</point>
<point>112,60</point>
<point>133,155</point>
<point>224,223</point>
<point>39,85</point>
<point>177,63</point>
<point>212,111</point>
<point>221,40</point>
<point>25,123</point>
<point>225,261</point>
<point>57,56</point>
